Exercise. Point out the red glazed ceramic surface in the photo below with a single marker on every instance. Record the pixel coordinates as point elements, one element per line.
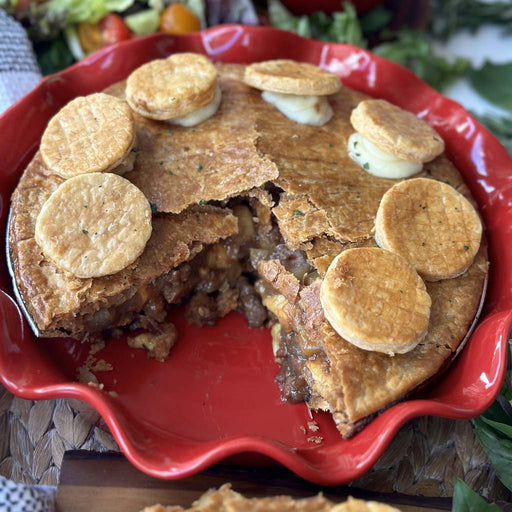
<point>216,396</point>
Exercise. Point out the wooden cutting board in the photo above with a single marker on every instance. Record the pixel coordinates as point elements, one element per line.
<point>99,482</point>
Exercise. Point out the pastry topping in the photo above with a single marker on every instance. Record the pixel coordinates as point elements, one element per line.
<point>396,131</point>
<point>92,133</point>
<point>431,225</point>
<point>167,88</point>
<point>295,88</point>
<point>201,114</point>
<point>312,110</point>
<point>378,162</point>
<point>290,77</point>
<point>94,225</point>
<point>375,300</point>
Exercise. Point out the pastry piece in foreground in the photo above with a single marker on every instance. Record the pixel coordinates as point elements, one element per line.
<point>225,499</point>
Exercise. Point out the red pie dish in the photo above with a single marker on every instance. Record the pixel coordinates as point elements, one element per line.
<point>217,396</point>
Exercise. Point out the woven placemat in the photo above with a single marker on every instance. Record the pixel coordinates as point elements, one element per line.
<point>424,458</point>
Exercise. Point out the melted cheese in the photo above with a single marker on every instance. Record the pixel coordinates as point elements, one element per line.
<point>378,162</point>
<point>312,110</point>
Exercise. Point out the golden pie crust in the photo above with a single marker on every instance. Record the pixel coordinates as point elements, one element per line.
<point>375,300</point>
<point>291,77</point>
<point>172,87</point>
<point>311,202</point>
<point>431,225</point>
<point>93,133</point>
<point>396,131</point>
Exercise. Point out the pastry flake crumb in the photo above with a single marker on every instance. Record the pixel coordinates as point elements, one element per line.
<point>313,426</point>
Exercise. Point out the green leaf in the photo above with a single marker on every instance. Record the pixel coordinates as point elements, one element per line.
<point>76,11</point>
<point>375,19</point>
<point>498,450</point>
<point>412,49</point>
<point>492,81</point>
<point>282,18</point>
<point>143,22</point>
<point>449,16</point>
<point>503,428</point>
<point>466,500</point>
<point>54,56</point>
<point>496,411</point>
<point>340,27</point>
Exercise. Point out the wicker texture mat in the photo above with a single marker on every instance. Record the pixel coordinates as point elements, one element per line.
<point>424,458</point>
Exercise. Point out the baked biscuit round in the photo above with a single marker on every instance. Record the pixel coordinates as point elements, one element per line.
<point>396,131</point>
<point>375,300</point>
<point>431,225</point>
<point>291,77</point>
<point>93,133</point>
<point>166,88</point>
<point>94,225</point>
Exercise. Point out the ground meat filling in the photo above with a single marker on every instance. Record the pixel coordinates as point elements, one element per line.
<point>220,279</point>
<point>294,387</point>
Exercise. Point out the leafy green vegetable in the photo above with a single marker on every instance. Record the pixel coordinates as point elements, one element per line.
<point>143,22</point>
<point>466,500</point>
<point>76,11</point>
<point>448,16</point>
<point>375,19</point>
<point>412,49</point>
<point>281,17</point>
<point>340,27</point>
<point>492,81</point>
<point>54,56</point>
<point>498,449</point>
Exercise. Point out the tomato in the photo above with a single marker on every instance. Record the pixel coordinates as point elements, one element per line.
<point>113,29</point>
<point>89,35</point>
<point>109,30</point>
<point>177,19</point>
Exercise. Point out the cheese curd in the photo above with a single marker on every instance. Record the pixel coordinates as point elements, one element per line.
<point>312,110</point>
<point>201,114</point>
<point>377,162</point>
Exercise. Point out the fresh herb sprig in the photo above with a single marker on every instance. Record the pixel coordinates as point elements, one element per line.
<point>449,16</point>
<point>340,27</point>
<point>492,81</point>
<point>413,50</point>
